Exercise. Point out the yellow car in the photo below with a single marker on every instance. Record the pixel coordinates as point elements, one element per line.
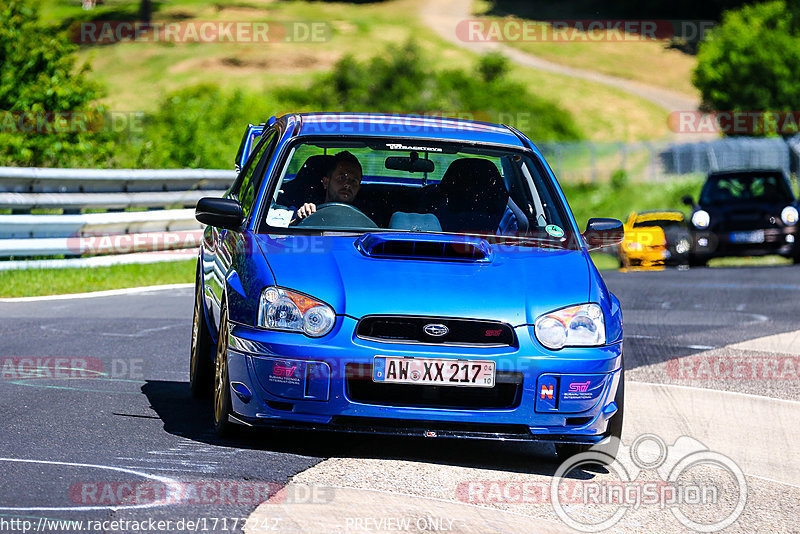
<point>655,238</point>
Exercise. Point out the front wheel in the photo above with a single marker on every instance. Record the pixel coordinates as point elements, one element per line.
<point>612,438</point>
<point>199,360</point>
<point>222,386</point>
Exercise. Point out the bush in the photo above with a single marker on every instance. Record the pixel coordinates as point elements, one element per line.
<point>39,78</point>
<point>399,81</point>
<point>750,62</point>
<point>201,126</point>
<point>196,127</point>
<point>619,179</point>
<point>604,200</point>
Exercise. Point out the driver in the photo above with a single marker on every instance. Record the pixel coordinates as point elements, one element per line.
<point>341,182</point>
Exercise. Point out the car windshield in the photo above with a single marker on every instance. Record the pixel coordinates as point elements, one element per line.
<point>663,220</point>
<point>417,186</point>
<point>744,188</point>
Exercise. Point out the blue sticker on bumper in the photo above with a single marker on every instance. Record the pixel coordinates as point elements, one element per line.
<point>293,379</point>
<point>569,393</point>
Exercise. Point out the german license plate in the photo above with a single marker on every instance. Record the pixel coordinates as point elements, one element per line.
<point>436,371</point>
<point>756,236</point>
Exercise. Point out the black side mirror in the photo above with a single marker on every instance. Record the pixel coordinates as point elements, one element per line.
<point>686,199</point>
<point>219,212</point>
<point>603,233</point>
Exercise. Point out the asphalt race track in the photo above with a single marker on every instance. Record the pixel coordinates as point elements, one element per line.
<point>78,445</point>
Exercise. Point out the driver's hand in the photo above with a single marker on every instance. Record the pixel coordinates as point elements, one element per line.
<point>305,210</point>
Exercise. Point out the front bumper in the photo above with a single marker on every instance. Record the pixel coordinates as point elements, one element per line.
<point>781,241</point>
<point>320,393</point>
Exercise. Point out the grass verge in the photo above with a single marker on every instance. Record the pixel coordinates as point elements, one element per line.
<point>36,282</point>
<point>646,60</point>
<point>605,200</point>
<point>604,262</point>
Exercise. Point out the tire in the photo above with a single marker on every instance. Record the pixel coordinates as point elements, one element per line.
<point>222,386</point>
<point>609,450</point>
<point>200,368</point>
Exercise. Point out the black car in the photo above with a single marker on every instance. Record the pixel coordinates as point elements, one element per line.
<point>744,213</point>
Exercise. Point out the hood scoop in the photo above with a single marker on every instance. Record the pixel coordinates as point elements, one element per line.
<point>416,246</point>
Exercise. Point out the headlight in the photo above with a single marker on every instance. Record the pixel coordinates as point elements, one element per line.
<point>576,326</point>
<point>281,309</point>
<point>633,245</point>
<point>701,219</point>
<point>789,215</point>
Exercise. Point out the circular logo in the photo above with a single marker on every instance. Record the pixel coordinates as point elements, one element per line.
<point>554,230</point>
<point>435,329</point>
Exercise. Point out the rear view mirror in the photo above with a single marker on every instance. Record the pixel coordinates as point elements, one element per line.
<point>409,164</point>
<point>603,233</point>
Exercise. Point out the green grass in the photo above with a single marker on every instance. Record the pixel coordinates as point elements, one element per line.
<point>749,261</point>
<point>604,200</point>
<point>604,262</point>
<point>138,75</point>
<point>647,61</point>
<point>35,282</point>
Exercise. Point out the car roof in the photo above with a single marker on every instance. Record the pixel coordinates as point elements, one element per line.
<point>656,215</point>
<point>659,212</point>
<point>406,126</point>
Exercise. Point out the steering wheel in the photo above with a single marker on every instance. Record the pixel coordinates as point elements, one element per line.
<point>338,214</point>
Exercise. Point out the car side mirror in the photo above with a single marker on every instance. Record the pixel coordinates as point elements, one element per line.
<point>602,232</point>
<point>686,199</point>
<point>219,212</point>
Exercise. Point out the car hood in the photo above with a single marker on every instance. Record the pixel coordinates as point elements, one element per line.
<point>513,284</point>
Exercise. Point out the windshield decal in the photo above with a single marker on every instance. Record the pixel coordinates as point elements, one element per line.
<point>399,146</point>
<point>554,230</point>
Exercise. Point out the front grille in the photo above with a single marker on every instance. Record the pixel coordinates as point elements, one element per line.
<point>405,329</point>
<point>506,393</point>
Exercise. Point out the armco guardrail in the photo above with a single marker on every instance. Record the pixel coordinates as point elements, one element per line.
<point>79,201</point>
<point>117,236</point>
<point>41,180</point>
<point>124,222</point>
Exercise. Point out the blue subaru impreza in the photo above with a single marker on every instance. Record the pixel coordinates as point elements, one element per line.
<point>405,275</point>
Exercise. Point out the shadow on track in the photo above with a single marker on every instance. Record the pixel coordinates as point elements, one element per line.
<point>190,418</point>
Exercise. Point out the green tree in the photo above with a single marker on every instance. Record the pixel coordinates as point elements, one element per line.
<point>39,78</point>
<point>146,11</point>
<point>400,80</point>
<point>751,61</point>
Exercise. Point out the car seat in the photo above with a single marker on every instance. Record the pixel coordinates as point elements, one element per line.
<point>471,197</point>
<point>306,186</point>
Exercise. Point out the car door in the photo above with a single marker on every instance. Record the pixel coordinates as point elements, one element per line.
<point>217,261</point>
